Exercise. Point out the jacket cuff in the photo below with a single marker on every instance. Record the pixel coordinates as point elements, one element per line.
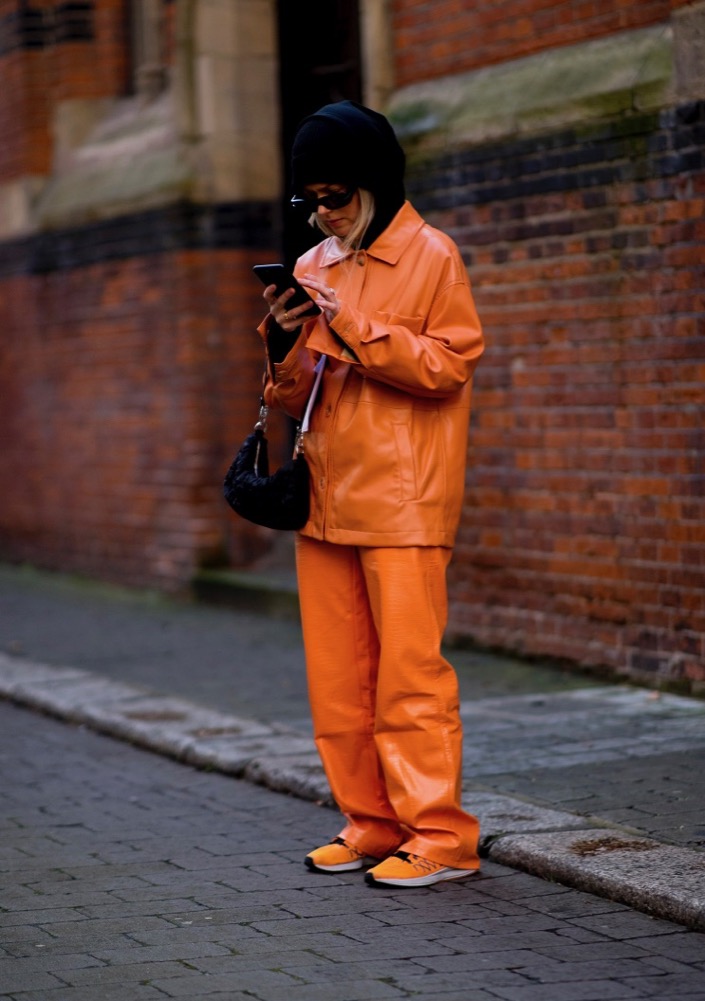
<point>344,327</point>
<point>344,332</point>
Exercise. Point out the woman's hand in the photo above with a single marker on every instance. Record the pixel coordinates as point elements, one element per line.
<point>288,319</point>
<point>325,298</point>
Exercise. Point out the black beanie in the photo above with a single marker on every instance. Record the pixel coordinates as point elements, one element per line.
<point>346,143</point>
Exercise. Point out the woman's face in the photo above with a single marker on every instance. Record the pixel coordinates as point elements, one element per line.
<point>339,220</point>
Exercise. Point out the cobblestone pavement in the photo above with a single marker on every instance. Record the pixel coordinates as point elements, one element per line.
<point>629,756</point>
<point>600,787</point>
<point>128,877</point>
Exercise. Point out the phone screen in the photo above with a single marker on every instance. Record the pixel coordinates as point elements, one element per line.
<point>276,274</point>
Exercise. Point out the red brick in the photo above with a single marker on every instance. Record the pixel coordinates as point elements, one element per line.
<point>465,37</point>
<point>581,536</point>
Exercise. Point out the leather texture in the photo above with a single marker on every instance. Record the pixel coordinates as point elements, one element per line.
<point>387,447</point>
<point>384,701</point>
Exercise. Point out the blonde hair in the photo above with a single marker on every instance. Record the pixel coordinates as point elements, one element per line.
<point>359,227</point>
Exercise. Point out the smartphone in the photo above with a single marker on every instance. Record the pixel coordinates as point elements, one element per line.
<point>276,274</point>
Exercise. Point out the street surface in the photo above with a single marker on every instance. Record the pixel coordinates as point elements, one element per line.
<point>125,875</point>
<point>129,877</point>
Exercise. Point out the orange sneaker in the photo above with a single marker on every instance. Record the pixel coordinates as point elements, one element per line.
<point>338,856</point>
<point>405,869</point>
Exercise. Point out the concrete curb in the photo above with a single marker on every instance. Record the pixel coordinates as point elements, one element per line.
<point>663,880</point>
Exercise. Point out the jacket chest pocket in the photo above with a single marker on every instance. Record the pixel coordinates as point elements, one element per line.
<point>413,323</point>
<point>406,465</point>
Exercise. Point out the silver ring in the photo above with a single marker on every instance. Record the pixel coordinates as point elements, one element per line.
<point>332,291</point>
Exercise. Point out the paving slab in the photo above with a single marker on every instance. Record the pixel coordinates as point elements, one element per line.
<point>550,843</point>
<point>548,754</point>
<point>193,887</point>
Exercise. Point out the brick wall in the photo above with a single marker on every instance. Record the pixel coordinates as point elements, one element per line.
<point>128,356</point>
<point>126,381</point>
<point>583,535</point>
<point>436,38</point>
<point>129,362</point>
<point>51,52</point>
<point>88,55</point>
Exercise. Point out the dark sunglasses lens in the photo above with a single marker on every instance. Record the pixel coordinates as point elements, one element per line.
<point>335,200</point>
<point>338,199</point>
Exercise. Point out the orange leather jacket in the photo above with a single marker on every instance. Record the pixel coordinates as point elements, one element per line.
<point>387,446</point>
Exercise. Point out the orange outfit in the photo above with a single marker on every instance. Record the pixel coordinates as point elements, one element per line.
<point>388,441</point>
<point>384,701</point>
<point>387,452</point>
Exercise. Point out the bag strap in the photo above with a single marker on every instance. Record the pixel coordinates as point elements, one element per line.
<point>314,393</point>
<point>261,424</point>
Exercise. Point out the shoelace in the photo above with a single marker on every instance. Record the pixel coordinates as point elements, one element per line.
<point>355,853</point>
<point>422,865</point>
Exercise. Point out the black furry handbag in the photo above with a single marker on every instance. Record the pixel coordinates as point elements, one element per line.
<point>281,500</point>
<point>277,501</point>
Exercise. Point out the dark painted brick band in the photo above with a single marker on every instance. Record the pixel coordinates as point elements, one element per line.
<point>635,148</point>
<point>178,227</point>
<point>628,150</point>
<point>35,27</point>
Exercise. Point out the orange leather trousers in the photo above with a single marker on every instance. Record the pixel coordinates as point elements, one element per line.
<point>384,701</point>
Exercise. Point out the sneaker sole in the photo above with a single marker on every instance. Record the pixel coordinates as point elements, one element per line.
<point>422,880</point>
<point>362,863</point>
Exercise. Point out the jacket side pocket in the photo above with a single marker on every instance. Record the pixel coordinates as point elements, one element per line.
<point>407,467</point>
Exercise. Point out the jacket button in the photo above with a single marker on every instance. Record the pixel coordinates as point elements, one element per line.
<point>322,482</point>
<point>361,260</point>
<point>329,410</point>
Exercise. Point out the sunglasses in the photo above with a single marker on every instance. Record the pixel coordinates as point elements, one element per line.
<point>334,200</point>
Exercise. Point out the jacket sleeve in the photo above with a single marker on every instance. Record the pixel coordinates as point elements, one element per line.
<point>435,359</point>
<point>290,380</point>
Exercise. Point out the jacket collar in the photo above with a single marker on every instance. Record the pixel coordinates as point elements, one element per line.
<point>389,245</point>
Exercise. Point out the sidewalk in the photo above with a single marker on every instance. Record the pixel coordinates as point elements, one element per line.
<point>125,876</point>
<point>597,787</point>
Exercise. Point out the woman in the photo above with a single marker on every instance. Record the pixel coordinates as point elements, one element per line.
<point>386,449</point>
